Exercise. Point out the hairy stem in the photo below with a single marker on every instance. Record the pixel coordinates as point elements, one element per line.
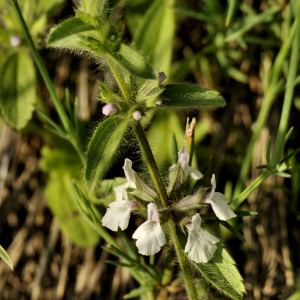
<point>146,150</point>
<point>150,161</point>
<point>184,266</point>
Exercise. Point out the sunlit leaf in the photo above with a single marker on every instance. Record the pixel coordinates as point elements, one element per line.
<point>17,89</point>
<point>133,62</point>
<point>66,29</point>
<point>102,147</point>
<point>4,255</point>
<point>189,95</point>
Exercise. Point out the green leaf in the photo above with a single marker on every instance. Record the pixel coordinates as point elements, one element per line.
<point>63,167</point>
<point>133,62</point>
<point>233,5</point>
<point>102,147</point>
<point>66,29</point>
<point>155,34</point>
<point>288,157</point>
<point>94,8</point>
<point>189,95</point>
<point>222,273</point>
<point>174,150</point>
<point>233,230</point>
<point>138,292</point>
<point>17,89</point>
<point>148,194</point>
<point>282,174</point>
<point>241,213</point>
<point>4,255</point>
<point>120,264</point>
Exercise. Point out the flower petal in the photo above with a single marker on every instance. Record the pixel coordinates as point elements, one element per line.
<point>183,159</point>
<point>131,204</point>
<point>119,190</point>
<point>195,173</point>
<point>221,208</point>
<point>129,173</point>
<point>117,215</point>
<point>200,245</point>
<point>150,238</point>
<point>153,212</point>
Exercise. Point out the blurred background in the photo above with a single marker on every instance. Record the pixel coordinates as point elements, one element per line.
<point>56,254</point>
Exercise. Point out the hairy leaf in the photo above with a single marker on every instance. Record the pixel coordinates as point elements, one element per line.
<point>189,95</point>
<point>133,62</point>
<point>4,255</point>
<point>222,273</point>
<point>17,89</point>
<point>66,29</point>
<point>102,147</point>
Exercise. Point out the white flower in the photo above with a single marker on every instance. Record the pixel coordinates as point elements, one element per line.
<point>183,159</point>
<point>129,174</point>
<point>118,213</point>
<point>150,236</point>
<point>200,245</point>
<point>218,203</point>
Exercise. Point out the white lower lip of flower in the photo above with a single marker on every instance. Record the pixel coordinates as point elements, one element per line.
<point>221,208</point>
<point>117,215</point>
<point>200,245</point>
<point>150,238</point>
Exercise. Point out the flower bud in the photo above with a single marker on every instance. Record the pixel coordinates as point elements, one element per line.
<point>109,109</point>
<point>137,115</point>
<point>161,77</point>
<point>158,101</point>
<point>15,41</point>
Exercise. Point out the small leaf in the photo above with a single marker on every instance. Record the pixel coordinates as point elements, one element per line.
<point>4,255</point>
<point>287,136</point>
<point>66,29</point>
<point>177,179</point>
<point>118,263</point>
<point>119,253</point>
<point>133,62</point>
<point>174,150</point>
<point>102,147</point>
<point>268,150</point>
<point>241,213</point>
<point>233,5</point>
<point>189,95</point>
<point>288,157</point>
<point>233,230</point>
<point>262,167</point>
<point>282,174</point>
<point>17,89</point>
<point>147,192</point>
<point>137,292</point>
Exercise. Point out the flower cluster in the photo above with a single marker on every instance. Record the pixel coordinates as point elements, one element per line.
<point>201,245</point>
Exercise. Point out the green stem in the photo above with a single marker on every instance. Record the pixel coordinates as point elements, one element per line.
<point>185,267</point>
<point>253,186</point>
<point>272,90</point>
<point>150,161</point>
<point>288,98</point>
<point>119,79</point>
<point>59,107</point>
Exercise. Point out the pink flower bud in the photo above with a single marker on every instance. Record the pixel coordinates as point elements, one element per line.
<point>158,101</point>
<point>15,41</point>
<point>161,77</point>
<point>137,115</point>
<point>109,109</point>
